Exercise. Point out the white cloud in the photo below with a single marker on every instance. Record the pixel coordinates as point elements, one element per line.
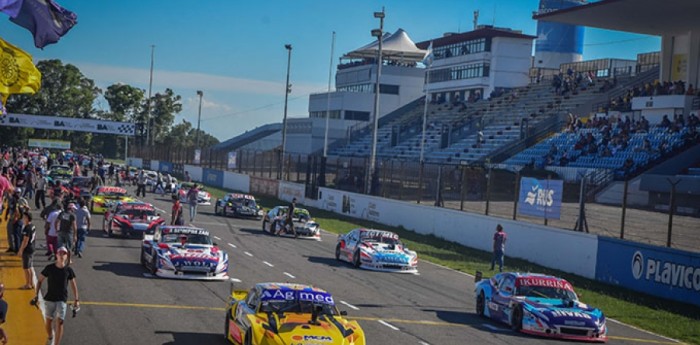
<point>106,74</point>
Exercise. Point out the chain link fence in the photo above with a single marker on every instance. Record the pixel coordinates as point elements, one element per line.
<point>589,203</point>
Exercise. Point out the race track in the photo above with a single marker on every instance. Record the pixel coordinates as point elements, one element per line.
<point>123,304</point>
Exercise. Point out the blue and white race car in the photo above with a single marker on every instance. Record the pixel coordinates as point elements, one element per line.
<point>376,250</point>
<point>183,253</point>
<point>540,305</point>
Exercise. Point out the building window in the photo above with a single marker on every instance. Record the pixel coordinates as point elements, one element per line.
<point>479,45</point>
<point>357,115</point>
<point>369,88</point>
<point>334,114</point>
<point>460,72</point>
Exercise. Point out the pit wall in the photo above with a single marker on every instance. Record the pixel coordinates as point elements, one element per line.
<point>658,271</point>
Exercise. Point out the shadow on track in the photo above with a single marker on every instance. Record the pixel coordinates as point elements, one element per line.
<point>124,269</point>
<point>186,338</point>
<point>256,232</point>
<point>475,321</point>
<point>329,261</point>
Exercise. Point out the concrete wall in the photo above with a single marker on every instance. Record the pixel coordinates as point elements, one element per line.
<point>195,172</point>
<point>155,165</point>
<point>237,182</point>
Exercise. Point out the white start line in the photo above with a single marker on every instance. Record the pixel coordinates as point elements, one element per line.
<point>388,325</point>
<point>232,245</point>
<point>289,275</point>
<point>247,253</point>
<point>350,305</point>
<point>269,264</point>
<point>217,237</point>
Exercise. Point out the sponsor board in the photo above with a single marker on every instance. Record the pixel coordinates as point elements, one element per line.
<point>289,190</point>
<point>213,177</point>
<point>663,272</point>
<point>265,186</point>
<point>540,198</point>
<point>49,144</point>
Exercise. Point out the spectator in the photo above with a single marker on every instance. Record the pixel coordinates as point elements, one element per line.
<point>10,218</point>
<point>67,227</point>
<point>83,222</point>
<point>187,177</point>
<point>177,212</point>
<point>192,196</point>
<point>3,314</point>
<point>499,247</point>
<point>59,275</point>
<point>26,251</point>
<point>141,184</point>
<point>40,195</point>
<point>289,222</point>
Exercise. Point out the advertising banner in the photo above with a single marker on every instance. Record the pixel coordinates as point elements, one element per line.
<point>49,144</point>
<point>289,191</point>
<point>68,124</point>
<point>663,272</point>
<point>261,185</point>
<point>197,156</point>
<point>540,198</point>
<point>231,163</point>
<point>213,177</point>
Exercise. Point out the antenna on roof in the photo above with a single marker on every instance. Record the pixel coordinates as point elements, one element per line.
<point>476,19</point>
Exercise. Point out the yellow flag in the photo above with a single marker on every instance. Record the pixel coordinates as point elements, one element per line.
<point>17,71</point>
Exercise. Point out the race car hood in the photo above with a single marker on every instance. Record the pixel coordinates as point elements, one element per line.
<point>566,313</point>
<point>191,255</point>
<point>382,252</point>
<point>243,209</point>
<point>297,329</point>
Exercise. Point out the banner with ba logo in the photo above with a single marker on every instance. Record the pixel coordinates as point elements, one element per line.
<point>540,198</point>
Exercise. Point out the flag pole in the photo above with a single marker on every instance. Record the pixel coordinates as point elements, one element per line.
<point>328,100</point>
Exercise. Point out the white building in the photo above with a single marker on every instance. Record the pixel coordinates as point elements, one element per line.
<point>472,64</point>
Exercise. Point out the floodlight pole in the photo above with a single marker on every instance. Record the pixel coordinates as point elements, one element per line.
<point>288,89</point>
<point>328,100</point>
<point>373,158</point>
<point>148,104</point>
<point>199,118</point>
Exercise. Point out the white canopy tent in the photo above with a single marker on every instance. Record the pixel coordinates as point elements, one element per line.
<point>396,46</point>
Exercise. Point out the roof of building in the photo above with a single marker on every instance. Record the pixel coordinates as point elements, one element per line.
<point>650,17</point>
<point>397,46</point>
<point>482,32</point>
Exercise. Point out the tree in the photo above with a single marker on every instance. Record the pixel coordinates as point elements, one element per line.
<point>65,91</point>
<point>125,102</point>
<point>164,107</point>
<point>183,135</point>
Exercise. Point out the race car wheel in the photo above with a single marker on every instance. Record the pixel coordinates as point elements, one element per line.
<point>92,207</point>
<point>154,264</point>
<point>480,304</point>
<point>356,259</point>
<point>337,252</point>
<point>263,225</point>
<point>248,338</point>
<point>216,209</point>
<point>517,318</point>
<point>143,260</point>
<point>228,318</point>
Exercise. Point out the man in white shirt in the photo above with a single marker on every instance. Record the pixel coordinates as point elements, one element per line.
<point>52,234</point>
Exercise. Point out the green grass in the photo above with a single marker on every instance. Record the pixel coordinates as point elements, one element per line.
<point>672,319</point>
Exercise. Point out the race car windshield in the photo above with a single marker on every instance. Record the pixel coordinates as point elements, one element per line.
<point>138,213</point>
<point>191,239</point>
<point>295,306</point>
<point>111,193</point>
<point>381,239</point>
<point>81,182</point>
<point>244,202</point>
<point>546,292</point>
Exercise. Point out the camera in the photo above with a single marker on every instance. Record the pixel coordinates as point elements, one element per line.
<point>35,302</point>
<point>75,309</point>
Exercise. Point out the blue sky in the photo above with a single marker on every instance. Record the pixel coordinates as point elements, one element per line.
<point>234,50</point>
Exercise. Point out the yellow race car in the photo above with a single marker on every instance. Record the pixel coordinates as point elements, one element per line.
<point>107,195</point>
<point>283,313</point>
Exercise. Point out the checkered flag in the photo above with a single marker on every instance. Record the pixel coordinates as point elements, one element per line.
<point>126,129</point>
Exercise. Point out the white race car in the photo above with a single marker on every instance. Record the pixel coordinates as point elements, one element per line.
<point>183,253</point>
<point>376,250</point>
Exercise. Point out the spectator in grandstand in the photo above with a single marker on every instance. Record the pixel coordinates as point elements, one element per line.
<point>665,122</point>
<point>499,248</point>
<point>628,166</point>
<point>691,136</point>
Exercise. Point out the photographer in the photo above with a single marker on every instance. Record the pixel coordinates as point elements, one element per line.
<point>58,274</point>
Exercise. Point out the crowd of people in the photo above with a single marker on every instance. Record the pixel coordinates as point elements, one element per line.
<point>656,88</point>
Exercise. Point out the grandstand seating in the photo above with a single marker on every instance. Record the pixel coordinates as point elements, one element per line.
<point>565,144</point>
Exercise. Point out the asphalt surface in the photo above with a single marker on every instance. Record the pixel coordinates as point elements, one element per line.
<point>123,304</point>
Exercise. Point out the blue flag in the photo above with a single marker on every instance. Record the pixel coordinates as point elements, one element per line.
<point>10,7</point>
<point>46,20</point>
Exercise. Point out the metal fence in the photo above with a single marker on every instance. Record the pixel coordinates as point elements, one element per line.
<point>589,203</point>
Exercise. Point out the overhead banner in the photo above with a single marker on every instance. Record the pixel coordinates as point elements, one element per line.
<point>49,144</point>
<point>540,198</point>
<point>68,124</point>
<point>231,160</point>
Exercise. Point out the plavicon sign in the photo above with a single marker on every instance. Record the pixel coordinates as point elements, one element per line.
<point>659,271</point>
